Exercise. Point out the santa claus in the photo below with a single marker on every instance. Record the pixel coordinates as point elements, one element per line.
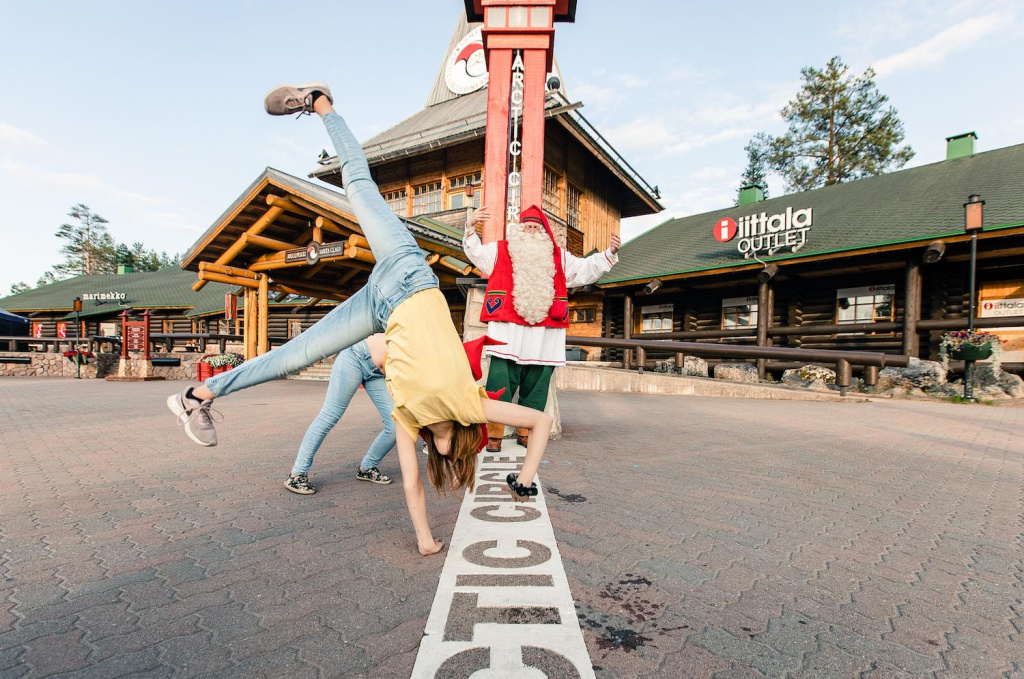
<point>526,305</point>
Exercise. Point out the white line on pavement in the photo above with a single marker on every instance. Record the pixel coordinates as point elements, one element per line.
<point>503,606</point>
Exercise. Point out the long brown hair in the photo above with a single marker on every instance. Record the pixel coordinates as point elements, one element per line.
<point>457,469</point>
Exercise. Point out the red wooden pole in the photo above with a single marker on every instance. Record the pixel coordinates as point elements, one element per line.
<point>124,334</point>
<point>496,142</point>
<point>145,319</point>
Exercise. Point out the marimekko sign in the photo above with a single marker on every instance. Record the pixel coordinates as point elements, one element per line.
<point>106,296</point>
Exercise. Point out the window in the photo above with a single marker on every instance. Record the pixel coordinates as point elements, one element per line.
<point>294,328</point>
<point>458,191</point>
<point>426,198</point>
<point>656,318</point>
<point>396,200</point>
<point>865,305</point>
<point>552,199</point>
<point>584,315</point>
<point>168,326</point>
<point>573,210</point>
<point>224,327</point>
<point>739,312</point>
<point>199,326</point>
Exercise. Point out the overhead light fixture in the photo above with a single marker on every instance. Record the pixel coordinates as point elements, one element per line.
<point>651,287</point>
<point>767,273</point>
<point>934,252</point>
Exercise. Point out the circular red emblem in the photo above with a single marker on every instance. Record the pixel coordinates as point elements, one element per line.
<point>987,305</point>
<point>725,229</point>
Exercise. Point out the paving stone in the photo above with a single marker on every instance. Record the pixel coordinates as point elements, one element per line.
<point>730,549</point>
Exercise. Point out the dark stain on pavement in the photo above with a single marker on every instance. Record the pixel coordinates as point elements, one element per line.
<point>567,498</point>
<point>625,639</point>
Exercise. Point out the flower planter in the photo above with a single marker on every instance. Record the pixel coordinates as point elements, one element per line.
<point>204,371</point>
<point>971,353</point>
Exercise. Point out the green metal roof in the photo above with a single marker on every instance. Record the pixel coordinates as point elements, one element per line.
<point>901,207</point>
<point>167,288</point>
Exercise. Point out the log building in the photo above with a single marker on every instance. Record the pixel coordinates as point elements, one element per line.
<point>876,264</point>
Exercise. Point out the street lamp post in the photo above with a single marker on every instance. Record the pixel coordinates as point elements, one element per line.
<point>972,225</point>
<point>78,338</point>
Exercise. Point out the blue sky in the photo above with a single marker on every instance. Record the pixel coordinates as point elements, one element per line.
<point>151,113</point>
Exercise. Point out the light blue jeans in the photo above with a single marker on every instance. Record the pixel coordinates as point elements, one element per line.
<point>351,368</point>
<point>400,272</point>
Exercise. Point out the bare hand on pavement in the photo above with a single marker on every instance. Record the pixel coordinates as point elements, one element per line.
<point>437,547</point>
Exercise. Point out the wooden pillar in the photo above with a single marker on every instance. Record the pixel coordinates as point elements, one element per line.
<point>765,302</point>
<point>627,330</point>
<point>263,344</point>
<point>249,328</point>
<point>912,309</point>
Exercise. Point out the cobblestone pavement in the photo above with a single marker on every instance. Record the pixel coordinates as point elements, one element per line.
<point>701,538</point>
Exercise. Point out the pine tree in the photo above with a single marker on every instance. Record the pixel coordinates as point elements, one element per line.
<point>756,172</point>
<point>19,287</point>
<point>84,243</point>
<point>840,129</point>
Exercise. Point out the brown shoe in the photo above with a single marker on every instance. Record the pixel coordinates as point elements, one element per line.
<point>523,437</point>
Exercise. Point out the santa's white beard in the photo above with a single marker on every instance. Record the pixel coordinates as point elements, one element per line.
<point>533,274</point>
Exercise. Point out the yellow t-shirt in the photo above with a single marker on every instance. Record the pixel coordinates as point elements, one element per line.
<point>426,369</point>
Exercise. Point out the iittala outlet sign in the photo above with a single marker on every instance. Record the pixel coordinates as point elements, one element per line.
<point>764,233</point>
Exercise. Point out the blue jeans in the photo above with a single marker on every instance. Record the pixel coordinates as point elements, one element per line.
<point>400,272</point>
<point>351,368</point>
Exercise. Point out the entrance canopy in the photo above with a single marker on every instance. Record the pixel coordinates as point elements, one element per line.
<point>286,235</point>
<point>278,215</point>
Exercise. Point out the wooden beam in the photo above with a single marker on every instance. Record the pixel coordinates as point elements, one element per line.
<point>318,234</point>
<point>360,254</point>
<point>272,243</point>
<point>227,270</point>
<point>275,264</point>
<point>208,276</point>
<point>357,241</point>
<point>263,341</point>
<point>328,225</point>
<point>257,228</point>
<point>432,259</point>
<point>286,203</point>
<point>336,296</point>
<point>463,270</point>
<point>347,276</point>
<point>313,270</point>
<point>299,283</point>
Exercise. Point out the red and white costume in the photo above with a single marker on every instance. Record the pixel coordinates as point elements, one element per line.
<point>543,341</point>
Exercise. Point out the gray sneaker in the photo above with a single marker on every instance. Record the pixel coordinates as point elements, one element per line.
<point>196,416</point>
<point>285,100</point>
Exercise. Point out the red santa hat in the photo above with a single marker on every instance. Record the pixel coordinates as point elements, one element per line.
<point>535,214</point>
